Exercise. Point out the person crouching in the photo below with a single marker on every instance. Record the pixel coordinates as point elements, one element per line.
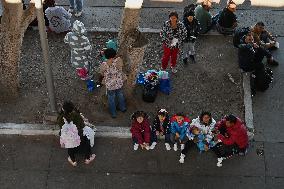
<point>179,125</point>
<point>140,130</point>
<point>161,127</point>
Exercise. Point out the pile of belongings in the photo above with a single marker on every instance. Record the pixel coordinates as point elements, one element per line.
<point>153,81</point>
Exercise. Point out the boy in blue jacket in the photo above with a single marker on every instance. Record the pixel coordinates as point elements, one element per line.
<point>179,125</point>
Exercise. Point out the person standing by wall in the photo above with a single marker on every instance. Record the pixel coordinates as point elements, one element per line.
<point>193,27</point>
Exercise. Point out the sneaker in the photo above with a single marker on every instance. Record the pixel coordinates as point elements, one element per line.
<point>78,14</point>
<point>219,163</point>
<point>175,147</point>
<point>185,61</point>
<point>74,164</point>
<point>153,145</point>
<point>168,147</point>
<point>192,58</point>
<point>135,147</point>
<point>87,161</point>
<point>174,70</point>
<point>147,147</point>
<point>181,146</point>
<point>272,62</point>
<point>181,160</point>
<point>71,11</point>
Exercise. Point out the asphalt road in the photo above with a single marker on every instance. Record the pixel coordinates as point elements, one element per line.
<point>39,162</point>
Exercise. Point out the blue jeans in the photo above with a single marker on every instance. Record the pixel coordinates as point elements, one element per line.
<point>76,3</point>
<point>112,94</point>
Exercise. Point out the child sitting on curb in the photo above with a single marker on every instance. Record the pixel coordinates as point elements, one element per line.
<point>161,126</point>
<point>202,128</point>
<point>140,130</point>
<point>179,126</point>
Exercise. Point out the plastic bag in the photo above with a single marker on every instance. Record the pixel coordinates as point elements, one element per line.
<point>165,86</point>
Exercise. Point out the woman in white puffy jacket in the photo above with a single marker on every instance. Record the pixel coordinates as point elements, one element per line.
<point>205,123</point>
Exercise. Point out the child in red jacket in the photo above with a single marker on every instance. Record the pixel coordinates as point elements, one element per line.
<point>232,138</point>
<point>140,130</point>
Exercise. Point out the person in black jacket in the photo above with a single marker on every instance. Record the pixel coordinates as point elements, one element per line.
<point>227,21</point>
<point>161,126</point>
<point>250,55</point>
<point>193,27</point>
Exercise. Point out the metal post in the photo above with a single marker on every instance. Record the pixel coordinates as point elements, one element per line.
<point>45,51</point>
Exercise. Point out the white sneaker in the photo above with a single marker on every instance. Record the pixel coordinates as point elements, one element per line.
<point>174,70</point>
<point>181,146</point>
<point>135,147</point>
<point>153,145</point>
<point>175,147</point>
<point>168,147</point>
<point>78,14</point>
<point>71,11</point>
<point>182,156</point>
<point>147,148</point>
<point>219,163</point>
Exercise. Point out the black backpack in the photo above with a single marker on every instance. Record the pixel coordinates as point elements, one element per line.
<point>150,92</point>
<point>239,34</point>
<point>261,79</point>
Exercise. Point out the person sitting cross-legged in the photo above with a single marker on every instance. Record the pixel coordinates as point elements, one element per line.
<point>250,55</point>
<point>227,20</point>
<point>263,38</point>
<point>199,134</point>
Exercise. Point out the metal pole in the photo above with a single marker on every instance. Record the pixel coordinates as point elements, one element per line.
<point>45,51</point>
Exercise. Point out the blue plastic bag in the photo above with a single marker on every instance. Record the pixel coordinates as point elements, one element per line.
<point>90,85</point>
<point>165,86</point>
<point>140,78</point>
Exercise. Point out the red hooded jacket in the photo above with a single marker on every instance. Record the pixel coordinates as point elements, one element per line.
<point>237,134</point>
<point>141,131</point>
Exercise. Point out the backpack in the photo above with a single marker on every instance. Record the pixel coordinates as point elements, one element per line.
<point>150,92</point>
<point>261,79</point>
<point>239,34</point>
<point>69,137</point>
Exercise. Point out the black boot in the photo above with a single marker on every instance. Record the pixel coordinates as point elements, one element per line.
<point>272,62</point>
<point>192,58</point>
<point>185,61</point>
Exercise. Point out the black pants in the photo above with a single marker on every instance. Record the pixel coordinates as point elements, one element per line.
<point>188,145</point>
<point>84,147</point>
<point>222,150</point>
<point>259,55</point>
